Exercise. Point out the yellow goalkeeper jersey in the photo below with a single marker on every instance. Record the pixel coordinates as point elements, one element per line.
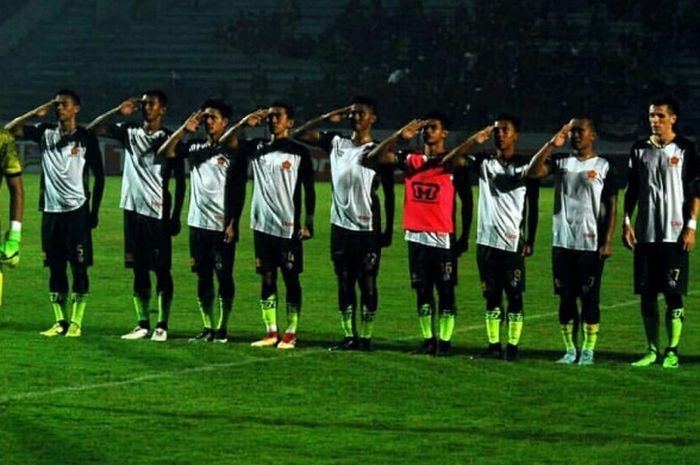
<point>9,158</point>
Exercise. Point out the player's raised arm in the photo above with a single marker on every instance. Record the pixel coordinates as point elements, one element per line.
<point>537,168</point>
<point>98,126</point>
<point>383,152</point>
<point>230,137</point>
<point>456,155</point>
<point>168,149</point>
<point>16,126</point>
<point>307,133</point>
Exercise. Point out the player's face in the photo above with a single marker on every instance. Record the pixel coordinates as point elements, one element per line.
<point>434,132</point>
<point>151,108</point>
<point>582,134</point>
<point>504,135</point>
<point>661,120</point>
<point>214,123</point>
<point>278,122</point>
<point>361,117</point>
<point>66,108</point>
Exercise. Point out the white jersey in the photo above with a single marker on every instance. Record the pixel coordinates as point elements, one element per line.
<point>142,180</point>
<point>63,165</point>
<point>662,178</point>
<point>579,188</point>
<point>431,239</point>
<point>279,168</point>
<point>502,191</point>
<point>354,185</point>
<point>209,165</point>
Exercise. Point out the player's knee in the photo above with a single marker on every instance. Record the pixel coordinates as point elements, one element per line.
<point>673,301</point>
<point>515,302</point>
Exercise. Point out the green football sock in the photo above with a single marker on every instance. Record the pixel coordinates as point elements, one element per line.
<point>674,327</point>
<point>141,307</point>
<point>206,310</point>
<point>493,325</point>
<point>347,321</point>
<point>79,302</point>
<point>447,325</point>
<point>366,323</point>
<point>164,302</point>
<point>225,309</point>
<point>515,327</point>
<point>268,307</point>
<point>567,334</point>
<point>58,305</point>
<point>590,336</point>
<point>293,311</point>
<point>425,318</point>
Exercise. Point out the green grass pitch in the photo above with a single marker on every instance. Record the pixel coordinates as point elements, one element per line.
<point>101,400</point>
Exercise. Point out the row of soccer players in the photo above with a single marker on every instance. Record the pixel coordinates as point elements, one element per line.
<point>663,185</point>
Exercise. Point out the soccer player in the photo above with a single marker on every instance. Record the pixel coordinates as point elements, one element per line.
<point>585,206</point>
<point>282,168</point>
<point>663,185</point>
<point>12,171</point>
<point>217,185</point>
<point>429,223</point>
<point>506,227</point>
<point>356,235</point>
<point>150,217</point>
<point>68,151</point>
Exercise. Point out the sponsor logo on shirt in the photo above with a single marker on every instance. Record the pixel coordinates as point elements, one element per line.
<point>425,192</point>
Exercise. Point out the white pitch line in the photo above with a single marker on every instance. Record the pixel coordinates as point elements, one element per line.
<point>185,371</point>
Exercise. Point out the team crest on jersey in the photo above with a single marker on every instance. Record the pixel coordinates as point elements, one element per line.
<point>674,161</point>
<point>286,165</point>
<point>592,174</point>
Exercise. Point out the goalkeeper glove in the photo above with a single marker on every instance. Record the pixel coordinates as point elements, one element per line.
<point>10,249</point>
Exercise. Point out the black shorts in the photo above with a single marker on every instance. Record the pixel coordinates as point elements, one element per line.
<point>500,270</point>
<point>147,242</point>
<point>272,252</point>
<point>208,251</point>
<point>357,250</point>
<point>661,267</point>
<point>66,237</point>
<point>430,265</point>
<point>577,270</point>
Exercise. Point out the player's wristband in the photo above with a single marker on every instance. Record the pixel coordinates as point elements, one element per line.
<point>626,220</point>
<point>692,224</point>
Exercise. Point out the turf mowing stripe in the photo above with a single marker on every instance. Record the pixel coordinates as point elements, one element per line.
<point>308,352</point>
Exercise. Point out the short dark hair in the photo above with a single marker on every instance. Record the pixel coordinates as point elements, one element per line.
<point>514,120</point>
<point>287,107</point>
<point>365,100</point>
<point>70,93</point>
<point>159,94</point>
<point>440,116</point>
<point>670,102</point>
<point>589,119</point>
<point>218,104</point>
